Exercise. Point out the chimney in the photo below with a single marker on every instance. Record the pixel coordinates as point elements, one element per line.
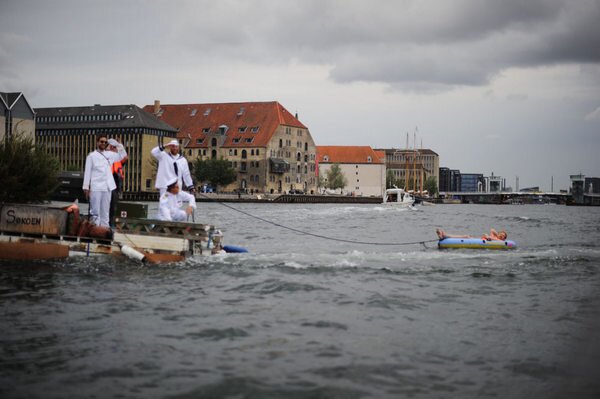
<point>156,106</point>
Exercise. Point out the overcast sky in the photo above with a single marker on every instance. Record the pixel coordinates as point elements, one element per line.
<point>509,87</point>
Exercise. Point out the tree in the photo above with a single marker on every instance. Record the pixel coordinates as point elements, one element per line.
<point>431,186</point>
<point>216,172</point>
<point>27,172</point>
<point>392,181</point>
<point>336,178</point>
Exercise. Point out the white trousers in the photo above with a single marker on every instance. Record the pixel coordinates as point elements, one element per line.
<point>100,207</point>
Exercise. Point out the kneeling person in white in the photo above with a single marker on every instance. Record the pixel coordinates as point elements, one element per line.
<point>170,204</point>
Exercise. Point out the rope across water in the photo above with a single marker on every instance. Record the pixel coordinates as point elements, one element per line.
<point>314,234</point>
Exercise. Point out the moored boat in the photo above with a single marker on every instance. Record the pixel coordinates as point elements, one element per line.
<point>398,197</point>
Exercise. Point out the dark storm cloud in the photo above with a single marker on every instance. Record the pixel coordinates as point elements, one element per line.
<point>403,42</point>
<point>419,45</point>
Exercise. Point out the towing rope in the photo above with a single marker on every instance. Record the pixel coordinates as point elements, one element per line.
<point>314,234</point>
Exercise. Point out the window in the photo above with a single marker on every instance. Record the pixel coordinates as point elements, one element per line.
<point>280,143</point>
<point>369,159</point>
<point>207,112</point>
<point>213,142</point>
<point>193,113</point>
<point>244,154</point>
<point>249,139</point>
<point>257,152</point>
<point>199,141</point>
<point>236,140</point>
<point>254,129</point>
<point>205,130</point>
<point>325,158</point>
<point>242,129</point>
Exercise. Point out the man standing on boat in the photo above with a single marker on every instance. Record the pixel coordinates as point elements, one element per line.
<point>171,201</point>
<point>171,165</point>
<point>98,181</point>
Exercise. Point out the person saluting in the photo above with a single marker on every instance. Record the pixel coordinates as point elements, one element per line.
<point>98,181</point>
<point>171,165</point>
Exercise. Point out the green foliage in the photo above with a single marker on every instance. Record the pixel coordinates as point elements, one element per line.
<point>336,178</point>
<point>216,172</point>
<point>431,186</point>
<point>27,172</point>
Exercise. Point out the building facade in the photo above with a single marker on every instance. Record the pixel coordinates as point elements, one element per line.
<point>270,149</point>
<point>472,182</point>
<point>363,168</point>
<point>16,116</point>
<point>412,167</point>
<point>69,133</point>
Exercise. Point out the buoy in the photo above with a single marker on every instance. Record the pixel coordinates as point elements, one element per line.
<point>234,249</point>
<point>132,253</point>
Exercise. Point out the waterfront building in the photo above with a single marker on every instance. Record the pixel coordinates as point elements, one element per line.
<point>412,166</point>
<point>16,116</point>
<point>585,190</point>
<point>472,182</point>
<point>493,184</point>
<point>69,133</point>
<point>445,182</point>
<point>363,168</point>
<point>271,150</point>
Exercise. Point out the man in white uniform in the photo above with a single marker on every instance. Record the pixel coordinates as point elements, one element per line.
<point>170,203</point>
<point>171,164</point>
<point>98,181</point>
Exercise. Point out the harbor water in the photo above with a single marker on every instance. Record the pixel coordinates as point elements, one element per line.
<point>315,316</point>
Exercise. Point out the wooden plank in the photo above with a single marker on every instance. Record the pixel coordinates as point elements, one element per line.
<point>32,219</point>
<point>32,251</point>
<point>150,242</point>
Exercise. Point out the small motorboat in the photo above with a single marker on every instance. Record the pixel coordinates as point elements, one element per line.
<point>398,197</point>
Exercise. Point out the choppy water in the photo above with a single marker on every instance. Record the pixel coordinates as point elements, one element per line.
<point>307,317</point>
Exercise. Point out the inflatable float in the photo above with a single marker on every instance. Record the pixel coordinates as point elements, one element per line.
<point>232,249</point>
<point>475,243</point>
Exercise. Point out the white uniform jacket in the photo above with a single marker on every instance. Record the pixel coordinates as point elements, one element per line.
<point>98,169</point>
<point>167,170</point>
<point>170,206</point>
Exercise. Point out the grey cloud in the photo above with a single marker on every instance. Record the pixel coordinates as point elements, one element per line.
<point>450,43</point>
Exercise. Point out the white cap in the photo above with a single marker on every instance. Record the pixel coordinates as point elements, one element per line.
<point>173,142</point>
<point>172,181</point>
<point>113,142</point>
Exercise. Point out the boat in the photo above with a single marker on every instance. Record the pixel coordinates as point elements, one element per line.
<point>398,197</point>
<point>37,232</point>
<point>475,243</point>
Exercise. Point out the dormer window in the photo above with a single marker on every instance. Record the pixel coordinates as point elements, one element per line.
<point>199,141</point>
<point>241,111</point>
<point>194,111</point>
<point>236,140</point>
<point>250,140</point>
<point>325,158</point>
<point>369,159</point>
<point>242,129</point>
<point>207,112</point>
<point>206,130</point>
<point>254,129</point>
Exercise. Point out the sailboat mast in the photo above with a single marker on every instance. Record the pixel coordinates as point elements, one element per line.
<point>422,168</point>
<point>414,162</point>
<point>406,166</point>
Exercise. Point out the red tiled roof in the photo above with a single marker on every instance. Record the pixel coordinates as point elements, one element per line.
<point>347,154</point>
<point>380,154</point>
<point>192,119</point>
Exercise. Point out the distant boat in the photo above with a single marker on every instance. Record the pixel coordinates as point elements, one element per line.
<point>398,197</point>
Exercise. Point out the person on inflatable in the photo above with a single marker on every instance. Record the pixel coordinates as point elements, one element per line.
<point>494,235</point>
<point>171,201</point>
